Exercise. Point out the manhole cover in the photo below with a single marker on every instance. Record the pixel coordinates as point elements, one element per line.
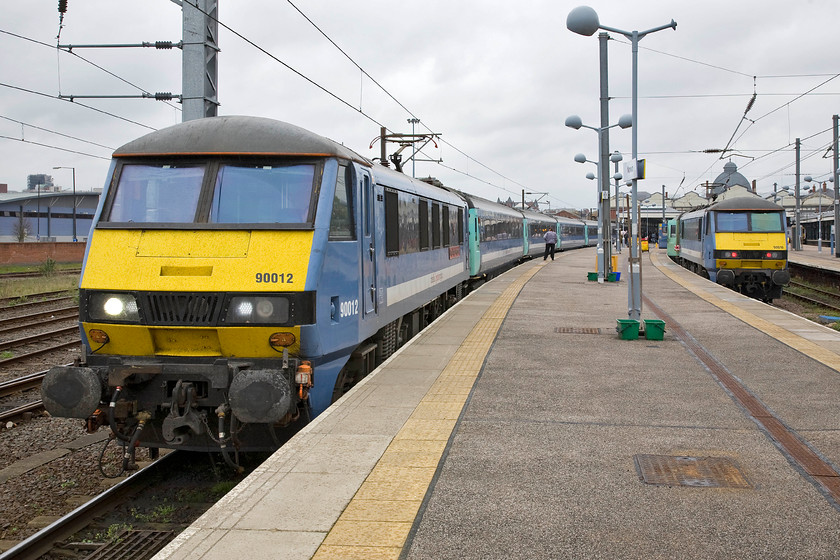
<point>704,472</point>
<point>577,330</point>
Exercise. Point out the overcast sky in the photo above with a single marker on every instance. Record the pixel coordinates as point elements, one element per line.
<point>496,78</point>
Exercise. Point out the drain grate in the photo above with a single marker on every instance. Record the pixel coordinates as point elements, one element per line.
<point>701,472</point>
<point>577,330</point>
<point>133,545</point>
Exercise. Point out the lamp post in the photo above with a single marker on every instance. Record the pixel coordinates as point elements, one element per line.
<point>74,199</point>
<point>779,193</point>
<point>38,218</point>
<point>626,121</point>
<point>835,158</point>
<point>583,20</point>
<point>615,158</point>
<point>797,236</point>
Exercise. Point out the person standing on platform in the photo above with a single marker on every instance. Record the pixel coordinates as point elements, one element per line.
<point>550,242</point>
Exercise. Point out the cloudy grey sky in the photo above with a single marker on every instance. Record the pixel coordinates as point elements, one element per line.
<point>496,78</point>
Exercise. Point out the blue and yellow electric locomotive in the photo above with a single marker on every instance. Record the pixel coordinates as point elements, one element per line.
<point>241,274</point>
<point>738,242</point>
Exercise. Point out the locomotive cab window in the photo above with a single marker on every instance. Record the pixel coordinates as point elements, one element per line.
<point>261,194</point>
<point>167,193</point>
<point>770,222</point>
<point>759,222</point>
<point>159,193</point>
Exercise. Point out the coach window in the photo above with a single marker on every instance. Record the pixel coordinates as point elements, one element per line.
<point>453,227</point>
<point>392,223</point>
<point>409,226</point>
<point>446,226</point>
<point>342,224</point>
<point>424,224</point>
<point>435,225</point>
<point>460,226</point>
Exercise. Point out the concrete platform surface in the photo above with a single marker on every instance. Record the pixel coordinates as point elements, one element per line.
<point>521,425</point>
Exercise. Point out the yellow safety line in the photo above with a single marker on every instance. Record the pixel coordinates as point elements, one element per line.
<point>811,349</point>
<point>377,520</point>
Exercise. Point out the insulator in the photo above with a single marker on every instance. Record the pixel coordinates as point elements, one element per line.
<point>750,104</point>
<point>163,96</point>
<point>62,6</point>
<point>163,44</point>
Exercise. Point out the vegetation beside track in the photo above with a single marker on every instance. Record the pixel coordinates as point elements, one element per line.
<point>50,278</point>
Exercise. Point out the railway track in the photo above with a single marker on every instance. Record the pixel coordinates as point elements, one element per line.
<point>42,351</point>
<point>19,385</point>
<point>51,317</point>
<point>23,383</point>
<point>827,299</point>
<point>19,411</point>
<point>37,274</point>
<point>8,304</point>
<point>151,506</point>
<point>34,329</point>
<point>54,535</point>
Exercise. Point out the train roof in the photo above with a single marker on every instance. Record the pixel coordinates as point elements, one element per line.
<point>533,216</point>
<point>478,202</point>
<point>236,135</point>
<point>740,203</point>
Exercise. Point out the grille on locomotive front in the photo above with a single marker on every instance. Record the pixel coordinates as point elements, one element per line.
<point>181,309</point>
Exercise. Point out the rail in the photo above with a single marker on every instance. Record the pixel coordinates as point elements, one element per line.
<point>43,541</point>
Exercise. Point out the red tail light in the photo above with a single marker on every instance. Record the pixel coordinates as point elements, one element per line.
<point>732,254</point>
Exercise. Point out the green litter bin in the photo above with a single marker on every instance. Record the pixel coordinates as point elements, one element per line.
<point>628,329</point>
<point>654,329</point>
<point>591,276</point>
<point>613,277</point>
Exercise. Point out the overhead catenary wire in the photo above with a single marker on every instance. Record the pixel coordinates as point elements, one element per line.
<point>733,139</point>
<point>406,109</point>
<point>77,103</point>
<point>54,147</point>
<point>54,132</point>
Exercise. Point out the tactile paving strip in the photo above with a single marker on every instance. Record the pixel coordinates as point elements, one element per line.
<point>702,472</point>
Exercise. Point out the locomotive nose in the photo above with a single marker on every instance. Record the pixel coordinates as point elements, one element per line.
<point>71,392</point>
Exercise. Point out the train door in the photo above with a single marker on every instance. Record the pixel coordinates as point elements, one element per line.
<point>474,241</point>
<point>368,243</point>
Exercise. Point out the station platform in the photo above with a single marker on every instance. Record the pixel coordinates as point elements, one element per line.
<point>810,255</point>
<point>522,425</point>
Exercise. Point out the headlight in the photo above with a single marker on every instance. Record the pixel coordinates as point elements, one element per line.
<point>257,309</point>
<point>106,306</point>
